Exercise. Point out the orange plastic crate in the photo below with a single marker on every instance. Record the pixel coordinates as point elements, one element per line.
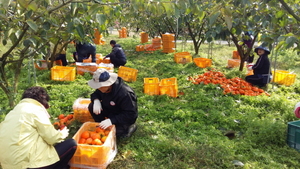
<point>94,156</point>
<point>151,86</point>
<point>82,68</point>
<point>203,62</point>
<point>236,55</point>
<point>63,73</point>
<point>283,77</point>
<point>81,111</point>
<point>183,57</point>
<point>139,48</point>
<point>169,87</point>
<point>127,74</point>
<point>99,59</point>
<point>233,63</point>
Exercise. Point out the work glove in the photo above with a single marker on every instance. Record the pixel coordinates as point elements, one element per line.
<point>64,132</point>
<point>105,123</point>
<point>97,107</point>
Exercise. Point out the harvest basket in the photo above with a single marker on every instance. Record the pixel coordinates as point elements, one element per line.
<point>203,62</point>
<point>293,135</point>
<point>183,57</point>
<point>151,86</point>
<point>81,111</point>
<point>94,156</point>
<point>63,73</point>
<point>169,87</point>
<point>127,74</point>
<point>283,77</point>
<point>233,63</point>
<point>82,68</point>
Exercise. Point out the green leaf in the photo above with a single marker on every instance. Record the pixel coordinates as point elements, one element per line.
<point>93,9</point>
<point>32,25</point>
<point>5,3</point>
<point>291,40</point>
<point>100,18</point>
<point>213,18</point>
<point>80,31</point>
<point>46,25</point>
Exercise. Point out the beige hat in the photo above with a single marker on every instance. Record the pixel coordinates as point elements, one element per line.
<point>102,78</point>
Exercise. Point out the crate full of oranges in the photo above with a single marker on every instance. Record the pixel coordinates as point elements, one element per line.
<point>96,147</point>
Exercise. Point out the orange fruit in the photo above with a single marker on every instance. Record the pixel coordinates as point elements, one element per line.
<point>70,116</point>
<point>98,129</point>
<point>106,132</point>
<point>61,116</point>
<point>103,138</point>
<point>89,141</point>
<point>85,134</point>
<point>94,135</point>
<point>82,141</point>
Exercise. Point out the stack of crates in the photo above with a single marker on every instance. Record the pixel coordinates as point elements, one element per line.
<point>151,86</point>
<point>94,156</point>
<point>81,111</point>
<point>123,33</point>
<point>63,73</point>
<point>168,43</point>
<point>283,77</point>
<point>293,135</point>
<point>98,38</point>
<point>183,57</point>
<point>127,74</point>
<point>144,37</point>
<point>202,62</point>
<point>156,43</point>
<point>82,68</point>
<point>235,61</point>
<point>168,86</point>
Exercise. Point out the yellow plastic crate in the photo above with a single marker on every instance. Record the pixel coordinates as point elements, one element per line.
<point>183,57</point>
<point>203,62</point>
<point>283,77</point>
<point>169,87</point>
<point>81,111</point>
<point>63,73</point>
<point>127,74</point>
<point>82,68</point>
<point>233,63</point>
<point>151,86</point>
<point>94,156</point>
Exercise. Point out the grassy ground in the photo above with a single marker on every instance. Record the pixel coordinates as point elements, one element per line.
<point>202,127</point>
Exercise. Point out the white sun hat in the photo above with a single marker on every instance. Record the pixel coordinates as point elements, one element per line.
<point>102,78</point>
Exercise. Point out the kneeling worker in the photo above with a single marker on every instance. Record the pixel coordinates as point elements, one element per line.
<point>113,102</point>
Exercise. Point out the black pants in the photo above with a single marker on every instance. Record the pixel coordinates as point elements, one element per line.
<point>258,80</point>
<point>65,151</point>
<point>63,59</point>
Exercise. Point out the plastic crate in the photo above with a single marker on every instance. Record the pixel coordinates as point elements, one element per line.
<point>293,135</point>
<point>283,77</point>
<point>233,63</point>
<point>183,57</point>
<point>203,62</point>
<point>81,111</point>
<point>63,73</point>
<point>108,66</point>
<point>98,56</point>
<point>94,156</point>
<point>151,86</point>
<point>82,68</point>
<point>169,87</point>
<point>127,74</point>
<point>139,48</point>
<point>235,55</point>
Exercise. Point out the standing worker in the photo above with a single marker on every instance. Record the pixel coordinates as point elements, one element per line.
<point>113,102</point>
<point>117,55</point>
<point>29,140</point>
<point>261,69</point>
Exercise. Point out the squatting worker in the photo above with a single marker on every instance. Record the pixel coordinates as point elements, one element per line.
<point>113,102</point>
<point>29,140</point>
<point>117,55</point>
<point>261,69</point>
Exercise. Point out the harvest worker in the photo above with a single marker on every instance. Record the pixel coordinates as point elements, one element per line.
<point>117,55</point>
<point>261,69</point>
<point>29,140</point>
<point>113,102</point>
<point>84,51</point>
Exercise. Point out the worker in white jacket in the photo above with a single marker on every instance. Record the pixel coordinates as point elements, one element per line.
<point>29,140</point>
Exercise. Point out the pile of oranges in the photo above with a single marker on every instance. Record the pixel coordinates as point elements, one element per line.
<point>96,137</point>
<point>64,120</point>
<point>234,86</point>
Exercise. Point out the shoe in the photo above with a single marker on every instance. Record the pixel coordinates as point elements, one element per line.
<point>131,130</point>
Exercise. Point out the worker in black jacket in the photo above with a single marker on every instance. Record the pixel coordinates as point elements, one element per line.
<point>84,51</point>
<point>117,55</point>
<point>113,102</point>
<point>261,69</point>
